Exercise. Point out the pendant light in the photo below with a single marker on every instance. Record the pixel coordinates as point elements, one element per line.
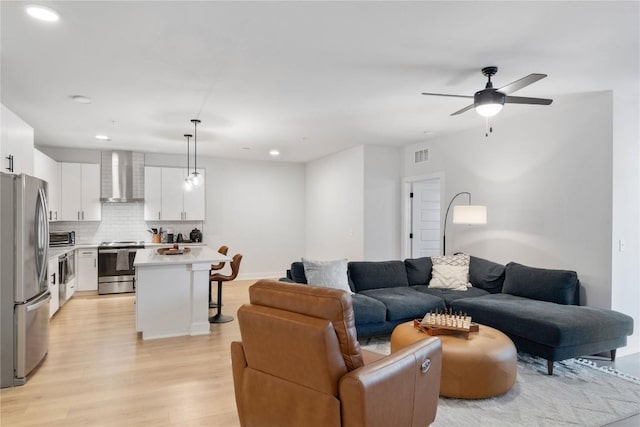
<point>187,185</point>
<point>195,176</point>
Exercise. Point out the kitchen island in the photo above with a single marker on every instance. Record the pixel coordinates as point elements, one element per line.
<point>172,292</point>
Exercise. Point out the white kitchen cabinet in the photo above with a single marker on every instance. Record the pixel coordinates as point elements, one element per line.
<point>194,201</point>
<point>152,193</point>
<point>54,304</point>
<point>165,198</point>
<point>80,192</point>
<point>16,144</point>
<point>87,277</point>
<point>172,199</point>
<point>72,287</point>
<point>44,167</point>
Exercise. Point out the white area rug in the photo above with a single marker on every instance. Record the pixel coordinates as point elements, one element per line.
<point>578,394</point>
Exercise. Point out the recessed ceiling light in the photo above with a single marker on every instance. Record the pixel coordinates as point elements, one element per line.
<point>43,13</point>
<point>246,148</point>
<point>274,153</point>
<point>80,99</point>
<point>103,138</point>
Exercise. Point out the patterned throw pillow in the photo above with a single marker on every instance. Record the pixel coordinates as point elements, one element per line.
<point>450,272</point>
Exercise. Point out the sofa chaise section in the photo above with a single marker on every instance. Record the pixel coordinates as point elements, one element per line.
<point>537,310</point>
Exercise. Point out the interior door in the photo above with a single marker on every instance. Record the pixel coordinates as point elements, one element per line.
<point>425,218</point>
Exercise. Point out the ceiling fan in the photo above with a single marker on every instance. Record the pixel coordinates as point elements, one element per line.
<point>489,101</point>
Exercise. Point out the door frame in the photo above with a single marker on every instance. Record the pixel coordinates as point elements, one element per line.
<point>406,211</point>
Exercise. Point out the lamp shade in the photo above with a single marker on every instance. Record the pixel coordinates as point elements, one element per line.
<point>469,214</point>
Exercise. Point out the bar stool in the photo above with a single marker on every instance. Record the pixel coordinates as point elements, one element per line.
<point>235,267</point>
<point>219,266</point>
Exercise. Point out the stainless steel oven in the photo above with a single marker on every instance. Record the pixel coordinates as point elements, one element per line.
<point>116,273</point>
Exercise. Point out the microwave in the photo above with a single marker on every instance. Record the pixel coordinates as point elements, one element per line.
<point>62,238</point>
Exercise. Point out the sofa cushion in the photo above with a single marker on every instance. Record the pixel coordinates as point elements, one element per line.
<point>555,325</point>
<point>542,284</point>
<point>379,274</point>
<point>418,270</point>
<point>485,274</point>
<point>405,303</point>
<point>327,274</point>
<point>449,295</point>
<point>368,310</point>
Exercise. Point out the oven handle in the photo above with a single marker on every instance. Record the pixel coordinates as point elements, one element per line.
<point>114,251</point>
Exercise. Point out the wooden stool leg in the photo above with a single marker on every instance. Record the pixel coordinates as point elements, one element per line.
<point>219,317</point>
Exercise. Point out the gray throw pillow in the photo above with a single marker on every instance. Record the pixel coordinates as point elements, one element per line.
<point>327,274</point>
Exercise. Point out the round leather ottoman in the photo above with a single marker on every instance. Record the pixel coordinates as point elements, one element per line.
<point>479,367</point>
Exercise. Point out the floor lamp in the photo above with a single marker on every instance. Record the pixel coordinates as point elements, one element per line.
<point>463,214</point>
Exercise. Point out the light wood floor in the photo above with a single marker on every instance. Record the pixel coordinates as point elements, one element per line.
<point>99,372</point>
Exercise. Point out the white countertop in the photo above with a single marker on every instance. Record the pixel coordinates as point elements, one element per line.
<point>154,245</point>
<point>197,255</point>
<point>56,251</point>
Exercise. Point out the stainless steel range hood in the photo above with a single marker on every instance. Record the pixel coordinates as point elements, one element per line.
<point>122,177</point>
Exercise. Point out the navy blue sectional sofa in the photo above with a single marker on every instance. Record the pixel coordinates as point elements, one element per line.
<point>537,308</point>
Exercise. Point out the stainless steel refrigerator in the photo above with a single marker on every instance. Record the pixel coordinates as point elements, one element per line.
<point>24,294</point>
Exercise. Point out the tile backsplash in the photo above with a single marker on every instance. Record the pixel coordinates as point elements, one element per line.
<point>121,221</point>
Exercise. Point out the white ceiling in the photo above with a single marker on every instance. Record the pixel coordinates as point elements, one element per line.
<point>307,78</point>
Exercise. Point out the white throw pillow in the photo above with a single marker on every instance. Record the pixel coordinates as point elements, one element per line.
<point>327,274</point>
<point>450,272</point>
<point>449,277</point>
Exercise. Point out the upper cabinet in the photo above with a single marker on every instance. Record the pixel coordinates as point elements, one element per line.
<point>16,144</point>
<point>80,192</point>
<point>165,198</point>
<point>44,167</point>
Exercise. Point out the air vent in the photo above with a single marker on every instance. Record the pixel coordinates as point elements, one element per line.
<point>422,156</point>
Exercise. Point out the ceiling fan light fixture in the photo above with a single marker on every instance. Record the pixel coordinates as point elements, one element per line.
<point>488,110</point>
<point>488,102</point>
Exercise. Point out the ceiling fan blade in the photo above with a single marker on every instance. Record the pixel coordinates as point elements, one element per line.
<point>444,94</point>
<point>468,107</point>
<point>525,100</point>
<point>523,82</point>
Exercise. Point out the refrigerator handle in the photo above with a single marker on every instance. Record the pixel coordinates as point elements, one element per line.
<point>42,235</point>
<point>40,302</point>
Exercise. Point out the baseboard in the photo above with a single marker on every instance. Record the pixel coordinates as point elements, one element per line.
<point>255,276</point>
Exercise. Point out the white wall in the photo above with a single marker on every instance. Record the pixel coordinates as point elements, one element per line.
<point>626,196</point>
<point>382,166</point>
<point>545,177</point>
<point>254,207</point>
<point>335,206</point>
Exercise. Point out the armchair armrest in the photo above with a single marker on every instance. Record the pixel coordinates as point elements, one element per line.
<point>400,389</point>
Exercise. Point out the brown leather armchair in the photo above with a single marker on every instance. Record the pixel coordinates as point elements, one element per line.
<point>299,364</point>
